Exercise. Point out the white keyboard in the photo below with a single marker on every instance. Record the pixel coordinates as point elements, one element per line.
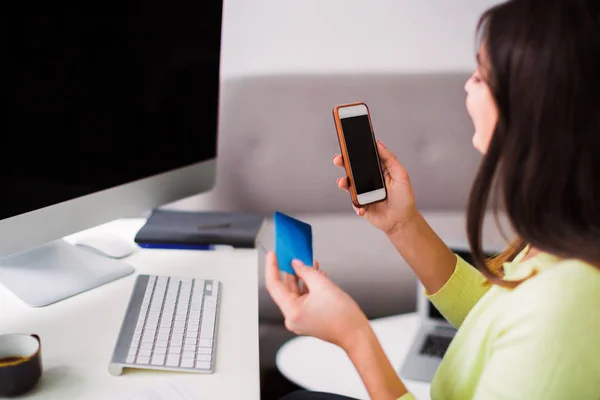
<point>170,324</point>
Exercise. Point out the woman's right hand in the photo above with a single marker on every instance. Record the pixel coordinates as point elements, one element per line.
<point>400,205</point>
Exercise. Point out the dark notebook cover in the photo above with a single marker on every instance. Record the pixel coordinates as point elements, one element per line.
<point>199,228</point>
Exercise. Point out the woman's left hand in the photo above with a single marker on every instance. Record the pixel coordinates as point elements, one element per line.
<point>319,308</point>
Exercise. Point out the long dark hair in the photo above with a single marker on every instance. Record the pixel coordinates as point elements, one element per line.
<point>543,161</point>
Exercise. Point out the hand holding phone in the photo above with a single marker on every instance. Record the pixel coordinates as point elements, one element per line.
<point>359,150</point>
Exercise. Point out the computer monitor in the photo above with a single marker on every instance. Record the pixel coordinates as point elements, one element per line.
<point>109,117</point>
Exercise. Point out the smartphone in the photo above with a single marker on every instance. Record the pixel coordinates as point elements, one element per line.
<point>359,151</point>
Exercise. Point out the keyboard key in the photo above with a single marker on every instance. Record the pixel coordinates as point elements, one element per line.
<point>192,330</point>
<point>204,357</point>
<point>208,324</point>
<point>189,347</point>
<point>187,362</point>
<point>160,351</point>
<point>158,359</point>
<point>202,365</point>
<point>162,337</point>
<point>204,350</point>
<point>172,360</point>
<point>177,338</point>
<point>130,359</point>
<point>205,343</point>
<point>145,353</point>
<point>212,304</point>
<point>152,323</point>
<point>142,360</point>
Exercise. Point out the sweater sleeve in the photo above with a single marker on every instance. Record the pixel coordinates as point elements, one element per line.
<point>460,293</point>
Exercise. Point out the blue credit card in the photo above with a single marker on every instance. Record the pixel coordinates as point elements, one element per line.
<point>293,241</point>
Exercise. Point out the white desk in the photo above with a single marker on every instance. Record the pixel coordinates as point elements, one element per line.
<point>78,334</point>
<point>320,366</point>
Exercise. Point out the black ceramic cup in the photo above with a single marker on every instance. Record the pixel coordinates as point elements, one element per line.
<point>20,363</point>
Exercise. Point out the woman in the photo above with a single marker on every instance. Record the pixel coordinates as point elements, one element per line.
<point>528,319</point>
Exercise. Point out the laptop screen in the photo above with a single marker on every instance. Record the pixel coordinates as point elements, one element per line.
<point>434,313</point>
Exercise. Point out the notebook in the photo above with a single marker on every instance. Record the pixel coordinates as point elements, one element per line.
<point>189,228</point>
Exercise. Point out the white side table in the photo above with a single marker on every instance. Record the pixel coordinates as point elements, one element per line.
<point>320,366</point>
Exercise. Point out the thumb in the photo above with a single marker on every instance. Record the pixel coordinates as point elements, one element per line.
<point>389,160</point>
<point>307,274</point>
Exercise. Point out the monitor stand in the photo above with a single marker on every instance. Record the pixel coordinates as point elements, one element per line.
<point>56,271</point>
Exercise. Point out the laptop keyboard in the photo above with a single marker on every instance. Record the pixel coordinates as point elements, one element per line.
<point>436,345</point>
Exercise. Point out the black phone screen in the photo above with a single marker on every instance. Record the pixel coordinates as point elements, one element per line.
<point>362,153</point>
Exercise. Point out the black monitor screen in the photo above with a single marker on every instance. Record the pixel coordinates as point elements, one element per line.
<point>96,101</point>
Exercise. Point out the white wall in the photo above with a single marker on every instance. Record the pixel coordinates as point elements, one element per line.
<point>321,36</point>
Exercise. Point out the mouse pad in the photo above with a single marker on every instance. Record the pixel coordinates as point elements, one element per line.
<point>293,241</point>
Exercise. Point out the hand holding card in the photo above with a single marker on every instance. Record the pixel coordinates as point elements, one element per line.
<point>293,241</point>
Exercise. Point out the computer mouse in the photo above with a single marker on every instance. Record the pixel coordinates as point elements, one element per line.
<point>112,246</point>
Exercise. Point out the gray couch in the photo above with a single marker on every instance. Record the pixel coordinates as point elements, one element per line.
<point>277,137</point>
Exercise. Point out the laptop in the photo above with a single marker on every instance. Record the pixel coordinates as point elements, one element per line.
<point>433,338</point>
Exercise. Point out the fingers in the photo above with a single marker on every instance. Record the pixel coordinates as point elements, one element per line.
<point>342,183</point>
<point>276,288</point>
<point>384,154</point>
<point>307,274</point>
<point>389,160</point>
<point>359,211</point>
<point>316,267</point>
<point>291,282</point>
<point>338,160</point>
